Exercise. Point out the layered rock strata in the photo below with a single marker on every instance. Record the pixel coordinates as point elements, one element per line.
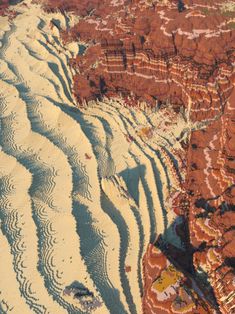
<point>148,51</point>
<point>168,290</point>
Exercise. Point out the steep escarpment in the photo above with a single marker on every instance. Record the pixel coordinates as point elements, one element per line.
<point>148,51</point>
<point>210,185</point>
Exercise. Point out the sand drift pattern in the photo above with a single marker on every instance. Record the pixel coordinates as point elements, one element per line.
<point>82,192</point>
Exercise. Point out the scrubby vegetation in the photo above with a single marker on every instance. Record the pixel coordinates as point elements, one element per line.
<point>231,25</point>
<point>227,9</point>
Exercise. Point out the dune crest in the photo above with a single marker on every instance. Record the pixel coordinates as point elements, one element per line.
<point>84,190</point>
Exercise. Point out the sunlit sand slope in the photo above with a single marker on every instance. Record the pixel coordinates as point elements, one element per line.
<point>82,191</point>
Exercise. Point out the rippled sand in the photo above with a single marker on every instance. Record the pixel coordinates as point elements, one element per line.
<point>83,191</point>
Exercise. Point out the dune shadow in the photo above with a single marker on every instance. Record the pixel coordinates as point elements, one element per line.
<point>93,252</point>
<point>55,69</point>
<point>132,176</point>
<point>14,2</point>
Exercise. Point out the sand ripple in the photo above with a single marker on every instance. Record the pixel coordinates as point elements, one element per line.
<point>82,191</point>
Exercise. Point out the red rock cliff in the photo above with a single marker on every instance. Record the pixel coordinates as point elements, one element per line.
<point>150,51</point>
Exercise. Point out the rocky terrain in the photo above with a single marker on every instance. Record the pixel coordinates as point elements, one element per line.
<point>3,6</point>
<point>149,51</point>
<point>171,65</point>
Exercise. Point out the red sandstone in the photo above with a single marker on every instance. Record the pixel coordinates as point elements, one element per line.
<point>150,51</point>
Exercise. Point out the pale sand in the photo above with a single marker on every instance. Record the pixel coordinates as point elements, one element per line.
<point>82,191</point>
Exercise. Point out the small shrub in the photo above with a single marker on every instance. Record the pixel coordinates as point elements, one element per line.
<point>205,11</point>
<point>228,9</point>
<point>228,13</point>
<point>231,25</point>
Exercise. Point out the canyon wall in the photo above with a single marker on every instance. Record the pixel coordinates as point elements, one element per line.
<point>148,51</point>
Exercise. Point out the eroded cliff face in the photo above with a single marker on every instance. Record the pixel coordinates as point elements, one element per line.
<point>3,6</point>
<point>148,51</point>
<point>210,185</point>
<point>168,290</point>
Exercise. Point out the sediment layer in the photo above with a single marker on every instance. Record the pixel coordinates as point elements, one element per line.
<point>151,52</point>
<point>143,171</point>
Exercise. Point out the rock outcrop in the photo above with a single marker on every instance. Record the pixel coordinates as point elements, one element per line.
<point>149,51</point>
<point>3,6</point>
<point>168,290</point>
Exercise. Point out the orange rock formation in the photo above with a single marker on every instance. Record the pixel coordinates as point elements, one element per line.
<point>151,52</point>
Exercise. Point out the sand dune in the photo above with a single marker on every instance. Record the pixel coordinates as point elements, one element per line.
<point>83,191</point>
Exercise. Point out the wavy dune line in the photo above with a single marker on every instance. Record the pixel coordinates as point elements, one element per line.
<point>141,158</point>
<point>10,299</point>
<point>20,231</point>
<point>107,116</point>
<point>96,127</point>
<point>48,199</point>
<point>48,190</point>
<point>117,193</point>
<point>77,158</point>
<point>32,151</point>
<point>94,189</point>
